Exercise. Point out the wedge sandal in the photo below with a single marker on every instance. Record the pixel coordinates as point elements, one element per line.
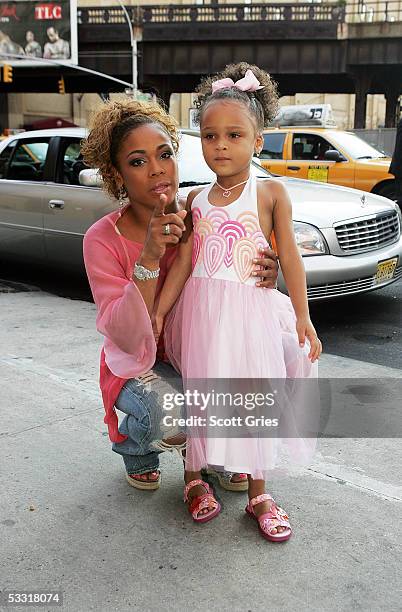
<point>225,480</point>
<point>135,480</point>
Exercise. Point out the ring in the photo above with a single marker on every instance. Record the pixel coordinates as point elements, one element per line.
<point>166,229</point>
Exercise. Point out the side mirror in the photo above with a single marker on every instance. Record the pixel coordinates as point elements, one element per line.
<point>90,177</point>
<point>333,155</point>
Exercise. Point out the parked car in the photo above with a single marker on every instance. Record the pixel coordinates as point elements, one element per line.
<point>328,156</point>
<point>350,241</point>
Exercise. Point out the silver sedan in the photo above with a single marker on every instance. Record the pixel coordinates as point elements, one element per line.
<point>350,240</point>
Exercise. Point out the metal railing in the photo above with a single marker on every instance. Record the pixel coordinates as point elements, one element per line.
<point>225,13</point>
<point>241,12</point>
<point>374,12</point>
<point>350,12</point>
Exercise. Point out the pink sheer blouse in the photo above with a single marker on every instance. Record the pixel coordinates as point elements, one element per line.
<point>129,347</point>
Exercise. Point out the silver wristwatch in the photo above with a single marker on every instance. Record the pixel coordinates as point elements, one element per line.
<point>143,273</point>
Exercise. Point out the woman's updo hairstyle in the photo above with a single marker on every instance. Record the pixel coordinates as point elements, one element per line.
<point>262,104</point>
<point>110,125</point>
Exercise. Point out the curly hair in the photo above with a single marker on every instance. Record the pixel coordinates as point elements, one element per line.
<point>262,104</point>
<point>110,124</point>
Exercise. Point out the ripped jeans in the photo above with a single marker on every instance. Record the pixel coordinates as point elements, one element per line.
<point>142,401</point>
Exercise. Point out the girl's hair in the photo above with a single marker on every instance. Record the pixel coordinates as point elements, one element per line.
<point>110,124</point>
<point>261,104</point>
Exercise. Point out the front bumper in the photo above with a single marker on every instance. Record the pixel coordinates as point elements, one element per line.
<point>331,276</point>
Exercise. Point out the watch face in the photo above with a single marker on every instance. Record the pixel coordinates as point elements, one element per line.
<point>139,272</point>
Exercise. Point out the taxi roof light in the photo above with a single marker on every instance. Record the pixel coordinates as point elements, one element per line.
<point>304,115</point>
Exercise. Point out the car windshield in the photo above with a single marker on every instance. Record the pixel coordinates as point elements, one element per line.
<point>356,147</point>
<point>192,167</point>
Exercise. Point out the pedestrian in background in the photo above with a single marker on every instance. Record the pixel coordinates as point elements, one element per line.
<point>396,164</point>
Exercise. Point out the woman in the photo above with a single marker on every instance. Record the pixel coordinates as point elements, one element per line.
<point>127,255</point>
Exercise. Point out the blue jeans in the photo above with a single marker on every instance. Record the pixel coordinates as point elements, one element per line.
<point>142,401</point>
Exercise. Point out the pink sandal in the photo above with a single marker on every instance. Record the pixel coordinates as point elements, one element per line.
<point>200,502</point>
<point>275,517</point>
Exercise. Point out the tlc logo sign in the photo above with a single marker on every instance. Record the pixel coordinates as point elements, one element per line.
<point>48,11</point>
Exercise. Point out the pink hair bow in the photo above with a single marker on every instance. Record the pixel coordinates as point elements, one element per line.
<point>248,83</point>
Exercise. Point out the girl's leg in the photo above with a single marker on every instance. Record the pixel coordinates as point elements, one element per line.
<point>255,488</point>
<point>197,491</point>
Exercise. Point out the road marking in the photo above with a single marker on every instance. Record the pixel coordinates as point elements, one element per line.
<point>344,475</point>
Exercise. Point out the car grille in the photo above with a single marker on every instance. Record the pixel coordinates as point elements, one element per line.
<point>348,287</point>
<point>369,233</point>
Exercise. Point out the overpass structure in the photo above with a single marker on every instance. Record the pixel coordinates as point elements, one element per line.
<point>323,48</point>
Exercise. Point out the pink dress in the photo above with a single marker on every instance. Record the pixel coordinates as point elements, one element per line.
<point>224,327</point>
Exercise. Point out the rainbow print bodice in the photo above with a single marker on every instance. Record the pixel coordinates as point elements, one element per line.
<point>228,238</point>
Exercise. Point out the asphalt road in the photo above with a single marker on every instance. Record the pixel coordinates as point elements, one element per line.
<point>366,327</point>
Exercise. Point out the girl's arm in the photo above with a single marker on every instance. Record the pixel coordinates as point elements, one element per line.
<point>292,266</point>
<point>178,273</point>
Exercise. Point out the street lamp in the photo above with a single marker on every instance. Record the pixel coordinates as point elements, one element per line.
<point>133,42</point>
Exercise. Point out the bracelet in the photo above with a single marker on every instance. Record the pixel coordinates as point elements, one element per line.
<point>141,273</point>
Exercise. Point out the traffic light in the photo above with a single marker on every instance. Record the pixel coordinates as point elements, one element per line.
<point>7,73</point>
<point>62,88</point>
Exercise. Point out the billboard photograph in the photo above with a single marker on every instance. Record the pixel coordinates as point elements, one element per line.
<point>39,30</point>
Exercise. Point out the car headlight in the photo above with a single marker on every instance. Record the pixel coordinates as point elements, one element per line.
<point>309,239</point>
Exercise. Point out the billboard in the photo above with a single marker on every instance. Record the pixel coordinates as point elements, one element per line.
<point>39,29</point>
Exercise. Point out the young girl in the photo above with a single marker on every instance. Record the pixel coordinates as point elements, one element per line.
<point>219,326</point>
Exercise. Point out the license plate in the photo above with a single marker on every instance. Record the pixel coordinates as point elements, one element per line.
<point>386,270</point>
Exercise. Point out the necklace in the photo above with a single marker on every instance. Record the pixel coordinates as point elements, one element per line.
<point>228,192</point>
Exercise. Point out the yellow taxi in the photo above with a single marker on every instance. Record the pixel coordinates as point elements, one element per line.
<point>307,150</point>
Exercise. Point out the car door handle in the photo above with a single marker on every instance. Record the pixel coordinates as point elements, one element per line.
<point>293,167</point>
<point>56,204</point>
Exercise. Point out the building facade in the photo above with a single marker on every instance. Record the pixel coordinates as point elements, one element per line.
<point>26,108</point>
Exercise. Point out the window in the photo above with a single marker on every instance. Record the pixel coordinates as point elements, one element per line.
<point>72,163</point>
<point>309,147</point>
<point>28,161</point>
<point>5,157</point>
<point>273,146</point>
<point>358,148</point>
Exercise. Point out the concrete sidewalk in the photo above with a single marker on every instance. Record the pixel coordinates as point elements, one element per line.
<point>69,521</point>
